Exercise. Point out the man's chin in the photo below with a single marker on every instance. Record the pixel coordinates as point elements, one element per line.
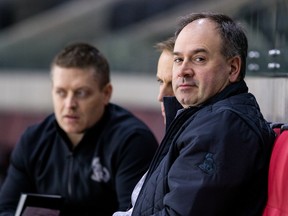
<point>73,130</point>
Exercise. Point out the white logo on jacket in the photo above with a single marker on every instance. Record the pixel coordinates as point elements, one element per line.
<point>100,173</point>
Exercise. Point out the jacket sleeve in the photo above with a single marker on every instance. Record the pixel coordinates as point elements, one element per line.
<point>132,163</point>
<point>209,166</point>
<point>16,181</point>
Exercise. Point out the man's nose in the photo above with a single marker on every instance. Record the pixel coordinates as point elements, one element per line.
<point>185,69</point>
<point>70,101</point>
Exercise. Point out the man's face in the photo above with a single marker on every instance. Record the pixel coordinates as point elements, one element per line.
<point>164,77</point>
<point>200,70</point>
<point>78,101</point>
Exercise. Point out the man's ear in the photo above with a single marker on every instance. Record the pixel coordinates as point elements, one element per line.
<point>107,91</point>
<point>235,68</point>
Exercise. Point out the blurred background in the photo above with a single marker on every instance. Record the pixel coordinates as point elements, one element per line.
<point>33,31</point>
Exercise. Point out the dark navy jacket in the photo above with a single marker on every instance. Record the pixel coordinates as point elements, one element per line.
<point>213,160</point>
<point>95,178</point>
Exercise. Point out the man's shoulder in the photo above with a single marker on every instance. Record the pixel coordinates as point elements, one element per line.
<point>35,137</point>
<point>116,109</point>
<point>123,123</point>
<point>240,103</point>
<point>123,127</point>
<point>42,128</point>
<point>121,116</point>
<point>243,105</point>
<point>246,108</point>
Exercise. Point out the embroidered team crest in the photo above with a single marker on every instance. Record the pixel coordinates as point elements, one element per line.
<point>208,165</point>
<point>100,173</point>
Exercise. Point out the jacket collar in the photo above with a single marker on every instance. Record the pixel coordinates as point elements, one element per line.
<point>173,107</point>
<point>230,90</point>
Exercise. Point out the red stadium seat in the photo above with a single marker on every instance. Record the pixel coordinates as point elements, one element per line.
<point>276,126</point>
<point>277,204</point>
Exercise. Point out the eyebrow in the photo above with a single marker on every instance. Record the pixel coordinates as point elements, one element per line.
<point>195,51</point>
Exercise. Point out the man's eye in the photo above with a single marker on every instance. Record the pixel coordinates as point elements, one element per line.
<point>160,81</point>
<point>199,59</point>
<point>81,94</point>
<point>177,60</point>
<point>60,93</point>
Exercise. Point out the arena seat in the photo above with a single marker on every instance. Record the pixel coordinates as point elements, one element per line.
<point>277,203</point>
<point>276,126</point>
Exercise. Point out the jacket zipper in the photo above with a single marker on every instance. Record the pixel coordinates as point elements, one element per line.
<point>70,175</point>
